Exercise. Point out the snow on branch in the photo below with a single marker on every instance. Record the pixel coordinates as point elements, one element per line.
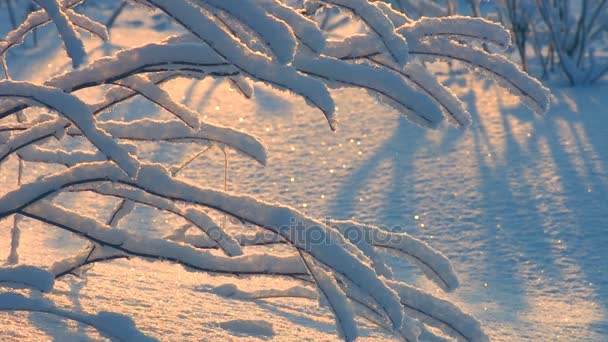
<point>26,136</point>
<point>244,41</point>
<point>336,253</point>
<point>389,85</point>
<point>33,20</point>
<point>33,153</point>
<point>67,31</point>
<point>467,28</point>
<point>304,29</point>
<point>398,18</point>
<point>77,112</point>
<point>380,24</point>
<point>262,238</point>
<point>88,256</point>
<point>245,60</point>
<point>176,131</point>
<point>194,216</point>
<point>159,249</point>
<point>450,105</point>
<point>338,302</point>
<point>150,57</point>
<point>232,291</point>
<point>529,89</point>
<point>276,34</point>
<point>432,262</point>
<point>88,25</point>
<point>439,313</point>
<point>157,95</point>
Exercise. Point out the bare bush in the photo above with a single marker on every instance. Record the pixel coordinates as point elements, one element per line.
<point>570,36</point>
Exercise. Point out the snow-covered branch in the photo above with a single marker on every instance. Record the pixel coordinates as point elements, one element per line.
<point>73,45</point>
<point>245,41</point>
<point>77,112</point>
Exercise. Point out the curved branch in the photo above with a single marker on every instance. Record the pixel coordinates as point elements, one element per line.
<point>88,25</point>
<point>336,298</point>
<point>532,92</point>
<point>421,78</point>
<point>431,260</point>
<point>175,131</point>
<point>439,313</point>
<point>467,28</point>
<point>391,86</point>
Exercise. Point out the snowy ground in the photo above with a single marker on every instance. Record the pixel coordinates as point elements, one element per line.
<point>518,202</point>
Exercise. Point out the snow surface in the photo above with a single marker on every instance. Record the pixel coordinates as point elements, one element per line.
<point>517,202</point>
<point>249,328</point>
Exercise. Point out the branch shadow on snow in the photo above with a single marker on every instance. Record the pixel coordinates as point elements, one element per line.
<point>570,162</point>
<point>299,312</point>
<point>524,224</point>
<point>57,328</point>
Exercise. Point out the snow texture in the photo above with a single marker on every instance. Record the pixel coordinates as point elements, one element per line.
<point>232,291</point>
<point>243,327</point>
<point>109,324</point>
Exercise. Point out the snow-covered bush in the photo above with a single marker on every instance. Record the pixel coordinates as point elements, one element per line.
<point>241,41</point>
<point>569,35</point>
